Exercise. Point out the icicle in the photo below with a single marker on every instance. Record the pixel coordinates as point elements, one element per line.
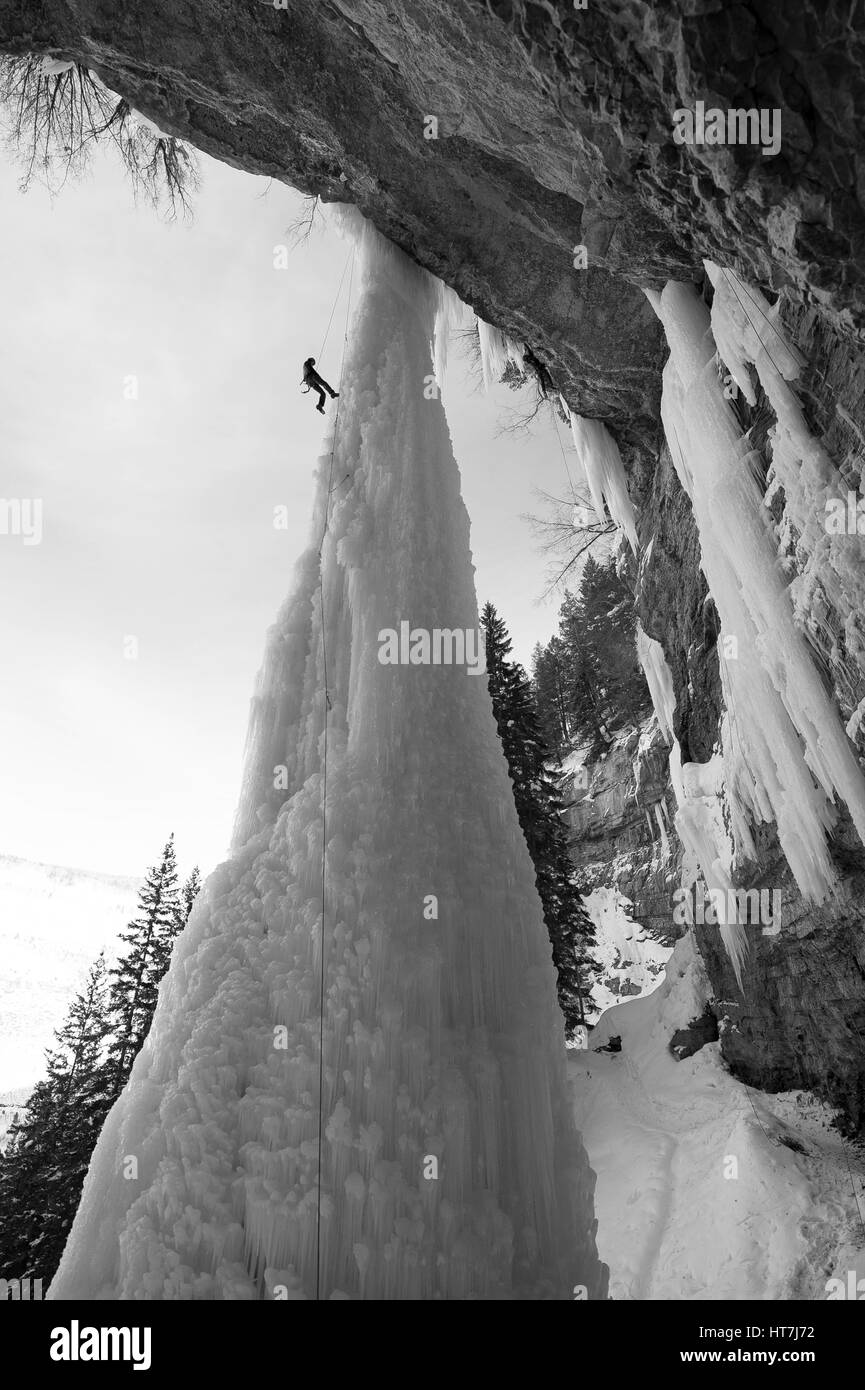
<point>775,693</point>
<point>451,315</point>
<point>497,350</point>
<point>699,819</point>
<point>604,471</point>
<point>659,680</point>
<point>665,839</point>
<point>708,847</point>
<point>749,333</point>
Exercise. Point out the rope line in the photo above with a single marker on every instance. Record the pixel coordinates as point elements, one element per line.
<point>753,325</point>
<point>564,458</point>
<point>349,257</point>
<point>327,706</point>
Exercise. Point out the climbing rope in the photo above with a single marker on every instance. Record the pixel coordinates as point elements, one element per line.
<point>564,456</point>
<point>304,385</point>
<point>324,762</point>
<point>761,311</point>
<point>349,257</point>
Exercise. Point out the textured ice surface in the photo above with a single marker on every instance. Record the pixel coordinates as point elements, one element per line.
<point>443,1043</point>
<point>786,752</point>
<point>497,350</point>
<point>604,472</point>
<point>828,590</point>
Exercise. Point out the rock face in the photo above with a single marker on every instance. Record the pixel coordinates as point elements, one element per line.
<point>553,128</point>
<point>617,840</point>
<point>686,1041</point>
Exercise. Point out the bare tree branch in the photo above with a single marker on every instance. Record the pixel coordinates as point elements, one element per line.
<point>568,531</point>
<point>299,231</point>
<point>54,118</point>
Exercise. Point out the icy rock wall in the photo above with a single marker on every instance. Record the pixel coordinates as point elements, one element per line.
<point>450,1168</point>
<point>828,587</point>
<point>788,755</point>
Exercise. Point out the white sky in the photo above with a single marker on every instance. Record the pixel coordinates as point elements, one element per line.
<point>158,512</point>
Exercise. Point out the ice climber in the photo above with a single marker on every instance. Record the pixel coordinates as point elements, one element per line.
<point>313,382</point>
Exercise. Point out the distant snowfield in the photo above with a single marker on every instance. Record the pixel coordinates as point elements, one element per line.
<point>53,923</point>
<point>660,1136</point>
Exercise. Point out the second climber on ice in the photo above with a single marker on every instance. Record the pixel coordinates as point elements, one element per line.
<point>313,382</point>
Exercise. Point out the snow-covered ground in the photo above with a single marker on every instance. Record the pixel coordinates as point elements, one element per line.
<point>706,1188</point>
<point>53,923</point>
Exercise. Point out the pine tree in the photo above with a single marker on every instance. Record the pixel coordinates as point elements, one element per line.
<point>44,1165</point>
<point>191,890</point>
<point>135,979</point>
<point>43,1170</point>
<point>593,662</point>
<point>607,624</point>
<point>27,1156</point>
<point>549,672</point>
<point>539,808</point>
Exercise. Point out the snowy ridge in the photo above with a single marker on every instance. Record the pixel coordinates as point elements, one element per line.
<point>450,1163</point>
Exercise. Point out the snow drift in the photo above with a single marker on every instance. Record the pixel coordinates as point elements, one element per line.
<point>433,1088</point>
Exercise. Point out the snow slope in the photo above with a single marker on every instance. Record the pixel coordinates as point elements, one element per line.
<point>417,1140</point>
<point>662,1133</point>
<point>53,923</point>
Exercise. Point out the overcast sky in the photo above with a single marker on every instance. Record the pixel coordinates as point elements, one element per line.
<point>158,511</point>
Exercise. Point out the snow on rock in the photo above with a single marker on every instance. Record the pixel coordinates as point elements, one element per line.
<point>632,961</point>
<point>604,471</point>
<point>788,754</point>
<point>450,1165</point>
<point>700,791</point>
<point>686,1156</point>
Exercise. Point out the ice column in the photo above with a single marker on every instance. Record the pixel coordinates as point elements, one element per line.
<point>450,1167</point>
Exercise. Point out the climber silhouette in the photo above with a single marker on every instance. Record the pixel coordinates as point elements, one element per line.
<point>313,382</point>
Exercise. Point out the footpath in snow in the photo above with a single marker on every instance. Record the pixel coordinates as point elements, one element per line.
<point>706,1188</point>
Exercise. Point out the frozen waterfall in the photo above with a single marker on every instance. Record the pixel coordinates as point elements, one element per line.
<point>450,1166</point>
